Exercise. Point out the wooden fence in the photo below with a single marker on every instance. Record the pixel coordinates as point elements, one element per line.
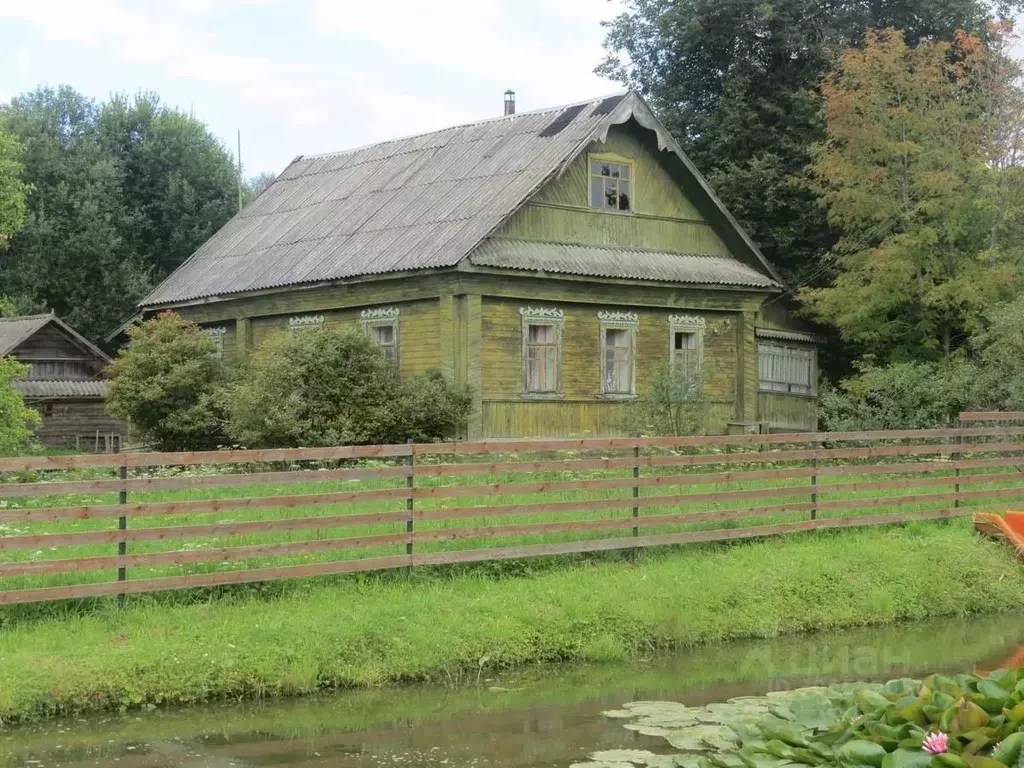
<point>97,525</point>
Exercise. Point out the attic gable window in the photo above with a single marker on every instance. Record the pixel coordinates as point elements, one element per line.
<point>381,327</point>
<point>611,184</point>
<point>542,351</point>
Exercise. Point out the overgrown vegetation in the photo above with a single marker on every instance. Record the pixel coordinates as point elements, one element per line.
<point>165,383</point>
<point>373,630</point>
<point>672,405</point>
<point>306,389</point>
<point>17,420</point>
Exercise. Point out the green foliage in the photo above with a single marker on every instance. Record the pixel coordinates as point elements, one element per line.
<point>165,384</point>
<point>900,396</point>
<point>7,307</point>
<point>930,226</point>
<point>854,724</point>
<point>17,420</point>
<point>735,82</point>
<point>13,190</point>
<point>672,405</point>
<point>123,192</point>
<point>335,388</point>
<point>1001,358</point>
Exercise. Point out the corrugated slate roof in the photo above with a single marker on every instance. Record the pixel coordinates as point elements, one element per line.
<point>619,262</point>
<point>69,388</point>
<point>415,203</point>
<point>15,330</point>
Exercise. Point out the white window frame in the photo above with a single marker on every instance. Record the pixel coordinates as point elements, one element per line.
<point>379,318</point>
<point>541,316</point>
<point>690,324</point>
<point>303,323</point>
<point>217,336</point>
<point>784,357</point>
<point>611,321</point>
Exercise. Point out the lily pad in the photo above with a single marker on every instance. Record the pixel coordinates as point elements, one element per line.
<point>701,738</point>
<point>633,757</point>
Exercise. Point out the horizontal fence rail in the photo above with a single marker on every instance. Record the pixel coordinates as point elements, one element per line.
<point>99,525</point>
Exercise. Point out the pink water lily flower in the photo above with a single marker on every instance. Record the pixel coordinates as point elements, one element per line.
<point>936,743</point>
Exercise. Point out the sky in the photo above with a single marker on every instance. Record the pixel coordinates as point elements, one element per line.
<point>311,76</point>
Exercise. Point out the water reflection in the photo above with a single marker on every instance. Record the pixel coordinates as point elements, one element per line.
<point>545,717</point>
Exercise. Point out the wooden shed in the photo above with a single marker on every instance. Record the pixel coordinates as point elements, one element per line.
<point>66,382</point>
<point>552,260</point>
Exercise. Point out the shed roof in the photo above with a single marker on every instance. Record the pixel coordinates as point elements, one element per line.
<point>562,258</point>
<point>70,388</point>
<point>415,203</point>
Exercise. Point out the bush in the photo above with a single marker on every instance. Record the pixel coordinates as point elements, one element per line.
<point>335,388</point>
<point>672,405</point>
<point>165,383</point>
<point>899,396</point>
<point>17,420</point>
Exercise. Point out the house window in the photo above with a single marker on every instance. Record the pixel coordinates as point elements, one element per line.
<point>300,323</point>
<point>217,335</point>
<point>686,350</point>
<point>786,367</point>
<point>542,350</point>
<point>618,353</point>
<point>611,184</point>
<point>381,327</point>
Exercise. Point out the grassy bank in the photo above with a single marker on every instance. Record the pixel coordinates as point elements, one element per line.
<point>381,630</point>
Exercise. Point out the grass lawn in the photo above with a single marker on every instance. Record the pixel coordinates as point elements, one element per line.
<point>372,630</point>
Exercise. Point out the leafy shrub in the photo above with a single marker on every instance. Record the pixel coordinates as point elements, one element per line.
<point>17,420</point>
<point>165,383</point>
<point>672,405</point>
<point>335,388</point>
<point>899,396</point>
<point>1000,384</point>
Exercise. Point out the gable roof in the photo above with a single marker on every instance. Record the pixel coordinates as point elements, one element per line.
<point>15,331</point>
<point>415,203</point>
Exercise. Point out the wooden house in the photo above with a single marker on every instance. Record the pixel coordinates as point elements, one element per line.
<point>66,382</point>
<point>551,260</point>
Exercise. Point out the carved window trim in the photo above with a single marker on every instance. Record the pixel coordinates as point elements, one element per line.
<point>303,323</point>
<point>382,317</point>
<point>611,321</point>
<point>697,327</point>
<point>555,318</point>
<point>217,336</point>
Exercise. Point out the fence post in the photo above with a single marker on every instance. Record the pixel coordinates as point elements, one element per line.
<point>814,483</point>
<point>636,488</point>
<point>957,456</point>
<point>122,525</point>
<point>408,501</point>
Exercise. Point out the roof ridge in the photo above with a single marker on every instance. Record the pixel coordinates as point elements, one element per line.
<point>471,124</point>
<point>22,318</point>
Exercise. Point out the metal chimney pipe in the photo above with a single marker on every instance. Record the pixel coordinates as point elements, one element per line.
<point>510,102</point>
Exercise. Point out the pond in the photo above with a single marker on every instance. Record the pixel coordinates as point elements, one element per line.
<point>543,717</point>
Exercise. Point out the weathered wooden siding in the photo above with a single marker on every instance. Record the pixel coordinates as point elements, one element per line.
<point>785,413</point>
<point>76,424</point>
<point>51,344</point>
<point>581,411</point>
<point>662,219</point>
<point>418,331</point>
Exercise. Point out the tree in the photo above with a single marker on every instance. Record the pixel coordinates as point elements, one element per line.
<point>165,384</point>
<point>17,420</point>
<point>735,82</point>
<point>177,181</point>
<point>906,175</point>
<point>123,193</point>
<point>12,189</point>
